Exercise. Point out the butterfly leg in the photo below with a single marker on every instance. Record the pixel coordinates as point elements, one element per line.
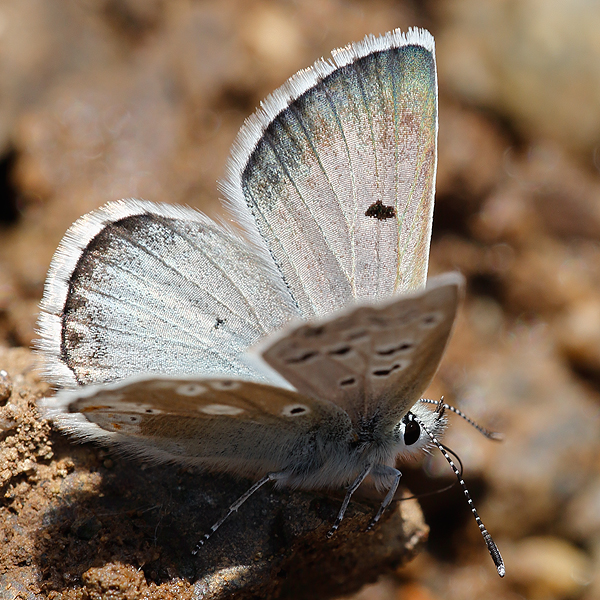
<point>351,489</point>
<point>387,473</point>
<point>234,507</point>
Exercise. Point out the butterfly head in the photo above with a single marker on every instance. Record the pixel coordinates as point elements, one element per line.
<point>412,433</point>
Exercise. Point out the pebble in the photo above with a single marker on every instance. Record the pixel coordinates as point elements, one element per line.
<point>548,567</point>
<point>6,386</point>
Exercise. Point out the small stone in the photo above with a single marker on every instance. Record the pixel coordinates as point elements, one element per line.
<point>549,567</point>
<point>6,386</point>
<point>536,64</point>
<point>27,466</point>
<point>579,334</point>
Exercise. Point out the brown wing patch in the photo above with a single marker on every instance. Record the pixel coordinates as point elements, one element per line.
<point>135,407</point>
<point>373,358</point>
<point>240,426</point>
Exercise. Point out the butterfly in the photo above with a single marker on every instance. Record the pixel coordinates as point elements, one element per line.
<point>295,348</point>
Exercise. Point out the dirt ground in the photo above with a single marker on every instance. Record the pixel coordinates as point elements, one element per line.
<point>106,99</point>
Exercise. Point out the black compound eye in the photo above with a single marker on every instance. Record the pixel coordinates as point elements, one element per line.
<point>412,431</point>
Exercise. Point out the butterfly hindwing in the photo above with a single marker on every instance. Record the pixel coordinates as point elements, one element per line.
<point>155,288</point>
<point>372,359</point>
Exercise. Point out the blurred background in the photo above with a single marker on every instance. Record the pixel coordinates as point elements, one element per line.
<point>104,99</point>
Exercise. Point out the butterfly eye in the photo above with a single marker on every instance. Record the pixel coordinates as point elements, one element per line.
<point>412,431</point>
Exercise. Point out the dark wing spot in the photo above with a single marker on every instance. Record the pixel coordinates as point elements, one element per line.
<point>407,316</point>
<point>378,210</point>
<point>219,322</point>
<point>355,335</point>
<point>347,382</point>
<point>73,337</point>
<point>302,358</point>
<point>313,331</point>
<point>386,372</point>
<point>293,410</point>
<point>377,320</point>
<point>431,320</point>
<point>400,348</point>
<point>340,351</point>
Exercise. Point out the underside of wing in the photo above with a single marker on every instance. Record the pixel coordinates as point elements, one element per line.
<point>137,287</point>
<point>227,424</point>
<point>374,360</point>
<point>336,173</point>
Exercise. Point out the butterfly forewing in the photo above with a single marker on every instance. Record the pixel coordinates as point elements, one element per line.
<point>374,359</point>
<point>338,172</point>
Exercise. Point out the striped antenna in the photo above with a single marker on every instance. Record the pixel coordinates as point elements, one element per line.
<point>491,546</point>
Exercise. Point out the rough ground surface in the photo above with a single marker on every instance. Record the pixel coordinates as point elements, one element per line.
<point>75,521</point>
<point>117,98</point>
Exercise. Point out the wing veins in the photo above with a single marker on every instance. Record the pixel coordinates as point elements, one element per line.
<point>420,168</point>
<point>148,252</point>
<point>358,68</point>
<point>222,270</point>
<point>267,138</point>
<point>351,226</point>
<point>295,113</point>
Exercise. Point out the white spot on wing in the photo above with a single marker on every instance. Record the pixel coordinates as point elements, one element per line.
<point>190,389</point>
<point>221,409</point>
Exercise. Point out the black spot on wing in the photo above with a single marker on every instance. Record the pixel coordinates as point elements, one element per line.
<point>378,210</point>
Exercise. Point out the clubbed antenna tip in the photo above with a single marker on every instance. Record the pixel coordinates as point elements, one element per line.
<point>491,546</point>
<point>494,553</point>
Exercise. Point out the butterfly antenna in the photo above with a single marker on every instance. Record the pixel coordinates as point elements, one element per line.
<point>234,507</point>
<point>440,490</point>
<point>442,406</point>
<point>491,546</point>
<point>456,456</point>
<point>350,490</point>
